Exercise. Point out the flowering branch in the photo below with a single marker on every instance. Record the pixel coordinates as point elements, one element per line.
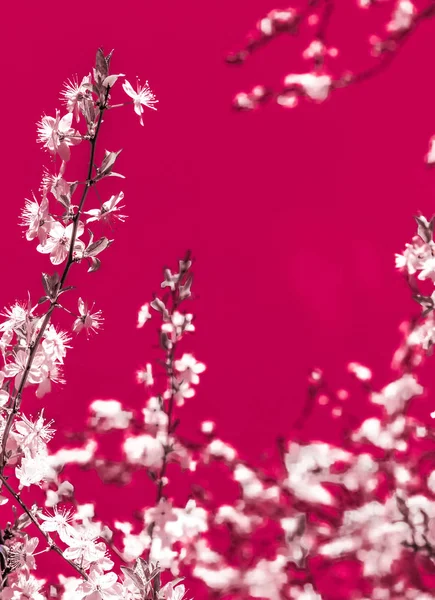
<point>51,544</point>
<point>16,402</point>
<point>317,84</point>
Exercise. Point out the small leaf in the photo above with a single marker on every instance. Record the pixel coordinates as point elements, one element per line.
<point>96,247</point>
<point>184,290</point>
<point>158,305</point>
<point>50,284</point>
<point>95,264</point>
<point>425,228</point>
<point>64,200</point>
<point>107,165</point>
<point>164,341</point>
<point>134,578</point>
<point>101,64</point>
<point>426,302</point>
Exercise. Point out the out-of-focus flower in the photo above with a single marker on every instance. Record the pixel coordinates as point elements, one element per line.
<point>402,17</point>
<point>144,315</point>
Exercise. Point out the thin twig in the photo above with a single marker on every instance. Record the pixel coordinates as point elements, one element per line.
<point>52,545</point>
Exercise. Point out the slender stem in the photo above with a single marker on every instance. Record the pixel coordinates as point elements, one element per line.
<point>52,545</point>
<point>169,363</point>
<point>54,304</point>
<point>170,371</point>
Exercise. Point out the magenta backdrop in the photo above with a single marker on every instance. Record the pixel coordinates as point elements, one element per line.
<point>293,216</point>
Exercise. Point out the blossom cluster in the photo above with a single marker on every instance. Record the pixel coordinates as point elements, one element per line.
<point>311,21</point>
<point>368,502</point>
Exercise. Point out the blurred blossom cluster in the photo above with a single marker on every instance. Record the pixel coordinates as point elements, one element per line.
<point>312,23</point>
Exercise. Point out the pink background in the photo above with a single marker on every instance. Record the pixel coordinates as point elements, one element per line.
<point>293,216</point>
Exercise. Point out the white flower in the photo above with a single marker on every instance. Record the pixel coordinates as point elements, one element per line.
<point>143,316</point>
<point>57,135</point>
<point>53,497</point>
<point>308,468</point>
<point>33,435</point>
<point>33,469</point>
<point>58,242</point>
<point>375,532</point>
<point>55,343</point>
<point>161,514</point>
<point>172,591</point>
<point>18,317</point>
<point>219,449</point>
<point>178,325</point>
<point>109,414</point>
<point>145,376</point>
<point>37,372</point>
<point>36,218</point>
<point>383,435</point>
<point>267,578</point>
<point>360,371</point>
<point>154,416</point>
<point>24,588</point>
<point>76,95</point>
<point>430,156</point>
<point>108,210</point>
<point>190,368</point>
<point>21,554</point>
<point>395,395</point>
<point>59,522</point>
<point>402,17</point>
<point>83,546</point>
<point>100,585</point>
<point>145,450</point>
<point>316,87</point>
<point>143,96</point>
<point>87,320</point>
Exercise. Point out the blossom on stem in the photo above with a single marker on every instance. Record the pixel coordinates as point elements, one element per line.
<point>21,554</point>
<point>55,343</point>
<point>26,587</point>
<point>100,585</point>
<point>143,96</point>
<point>33,435</point>
<point>172,591</point>
<point>16,369</point>
<point>144,315</point>
<point>190,368</point>
<point>57,135</point>
<point>37,219</point>
<point>145,376</point>
<point>402,17</point>
<point>58,242</point>
<point>315,86</point>
<point>76,94</point>
<point>33,468</point>
<point>87,320</point>
<point>108,210</point>
<point>58,522</point>
<point>83,546</point>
